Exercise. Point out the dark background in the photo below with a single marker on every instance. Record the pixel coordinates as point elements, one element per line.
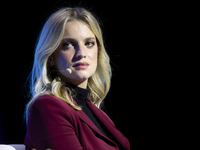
<point>135,37</point>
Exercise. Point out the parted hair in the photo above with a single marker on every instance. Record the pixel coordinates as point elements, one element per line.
<point>42,80</point>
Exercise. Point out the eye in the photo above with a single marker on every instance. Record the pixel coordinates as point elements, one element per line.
<point>89,44</point>
<point>67,45</point>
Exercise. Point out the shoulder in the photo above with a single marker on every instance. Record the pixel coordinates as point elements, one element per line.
<point>49,117</point>
<point>49,100</point>
<point>51,109</point>
<point>51,104</point>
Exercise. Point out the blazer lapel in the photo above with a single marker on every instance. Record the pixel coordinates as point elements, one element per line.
<point>109,125</point>
<point>87,120</point>
<point>107,122</point>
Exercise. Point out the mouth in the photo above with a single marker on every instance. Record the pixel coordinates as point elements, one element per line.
<point>81,65</point>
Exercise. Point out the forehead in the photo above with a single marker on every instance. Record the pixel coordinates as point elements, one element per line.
<point>77,30</point>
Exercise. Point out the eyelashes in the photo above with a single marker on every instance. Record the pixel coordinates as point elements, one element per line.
<point>89,44</point>
<point>70,45</point>
<point>67,45</point>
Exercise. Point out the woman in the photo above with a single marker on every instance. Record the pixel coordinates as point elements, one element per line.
<point>69,80</point>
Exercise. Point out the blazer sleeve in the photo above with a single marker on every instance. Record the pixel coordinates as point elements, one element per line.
<point>50,125</point>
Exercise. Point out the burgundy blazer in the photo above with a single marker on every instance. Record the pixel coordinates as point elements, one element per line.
<point>56,125</point>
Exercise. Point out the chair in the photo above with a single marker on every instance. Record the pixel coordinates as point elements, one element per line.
<point>6,147</point>
<point>12,147</point>
<point>18,146</point>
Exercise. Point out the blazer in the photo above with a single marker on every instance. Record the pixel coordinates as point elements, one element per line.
<point>56,125</point>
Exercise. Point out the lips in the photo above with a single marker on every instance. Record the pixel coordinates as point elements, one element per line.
<point>81,65</point>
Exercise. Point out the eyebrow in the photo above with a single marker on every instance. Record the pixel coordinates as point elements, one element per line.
<point>71,39</point>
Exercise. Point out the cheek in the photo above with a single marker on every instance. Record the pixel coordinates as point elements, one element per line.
<point>93,56</point>
<point>94,59</point>
<point>62,60</point>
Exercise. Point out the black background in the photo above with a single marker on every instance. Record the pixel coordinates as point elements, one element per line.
<point>133,34</point>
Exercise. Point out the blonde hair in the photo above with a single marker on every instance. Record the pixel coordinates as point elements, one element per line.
<point>41,79</point>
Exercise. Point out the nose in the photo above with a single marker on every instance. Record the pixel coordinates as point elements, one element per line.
<point>80,52</point>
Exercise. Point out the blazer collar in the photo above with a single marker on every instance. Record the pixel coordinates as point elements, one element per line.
<point>106,122</point>
<point>87,120</point>
<point>119,137</point>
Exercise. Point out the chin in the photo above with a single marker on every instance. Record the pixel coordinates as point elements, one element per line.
<point>83,75</point>
<point>79,75</point>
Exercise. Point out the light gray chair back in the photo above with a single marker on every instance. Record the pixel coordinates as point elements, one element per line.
<point>18,146</point>
<point>12,147</point>
<point>6,147</point>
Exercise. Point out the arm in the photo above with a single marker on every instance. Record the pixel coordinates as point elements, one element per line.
<point>50,125</point>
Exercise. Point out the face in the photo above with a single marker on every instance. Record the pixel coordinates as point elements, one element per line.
<point>76,57</point>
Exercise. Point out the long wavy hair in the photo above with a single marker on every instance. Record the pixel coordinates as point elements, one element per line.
<point>42,79</point>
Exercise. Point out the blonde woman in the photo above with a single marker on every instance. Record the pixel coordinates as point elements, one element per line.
<point>69,80</point>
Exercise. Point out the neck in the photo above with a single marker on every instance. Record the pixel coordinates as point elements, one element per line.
<point>82,85</point>
<point>80,94</point>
